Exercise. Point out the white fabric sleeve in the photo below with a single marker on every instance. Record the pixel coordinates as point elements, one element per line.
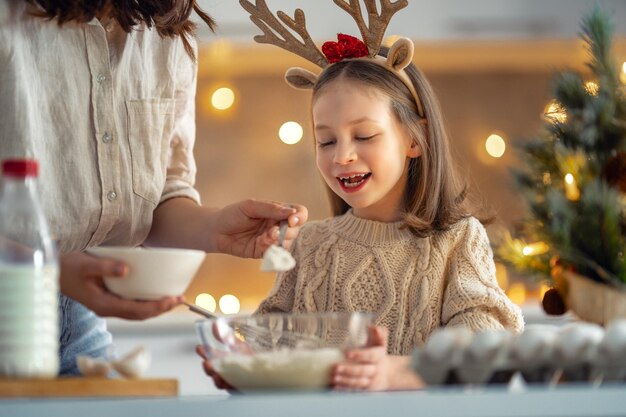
<point>181,168</point>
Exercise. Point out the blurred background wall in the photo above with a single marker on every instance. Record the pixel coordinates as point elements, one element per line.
<point>490,62</point>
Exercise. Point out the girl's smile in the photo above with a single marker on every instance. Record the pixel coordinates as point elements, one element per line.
<point>353,182</point>
<point>362,149</point>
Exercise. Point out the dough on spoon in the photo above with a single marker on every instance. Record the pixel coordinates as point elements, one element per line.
<point>277,259</point>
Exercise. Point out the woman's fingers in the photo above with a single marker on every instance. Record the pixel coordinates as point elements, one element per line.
<point>201,352</point>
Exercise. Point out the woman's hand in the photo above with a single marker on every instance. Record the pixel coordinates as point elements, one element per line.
<point>245,229</point>
<point>372,369</point>
<point>81,279</point>
<point>249,227</point>
<point>210,371</point>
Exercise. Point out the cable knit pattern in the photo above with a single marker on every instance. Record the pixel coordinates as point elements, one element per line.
<point>413,285</point>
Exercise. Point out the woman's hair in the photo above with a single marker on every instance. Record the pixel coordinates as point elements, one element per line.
<point>435,196</point>
<point>170,18</point>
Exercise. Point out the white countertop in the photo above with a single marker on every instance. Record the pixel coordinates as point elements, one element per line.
<point>566,400</point>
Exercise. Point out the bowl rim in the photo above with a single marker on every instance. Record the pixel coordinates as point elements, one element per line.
<point>141,249</point>
<point>319,314</point>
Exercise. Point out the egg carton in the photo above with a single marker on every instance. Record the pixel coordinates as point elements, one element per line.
<point>577,352</point>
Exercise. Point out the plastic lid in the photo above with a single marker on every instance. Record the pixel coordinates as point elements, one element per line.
<point>20,167</point>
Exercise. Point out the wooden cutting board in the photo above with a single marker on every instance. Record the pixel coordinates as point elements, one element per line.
<point>87,387</point>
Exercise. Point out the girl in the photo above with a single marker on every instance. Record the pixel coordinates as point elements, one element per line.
<point>402,243</point>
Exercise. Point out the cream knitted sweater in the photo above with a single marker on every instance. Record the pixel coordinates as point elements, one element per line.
<point>413,285</point>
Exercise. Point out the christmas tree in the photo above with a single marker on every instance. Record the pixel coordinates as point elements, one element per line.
<point>574,176</point>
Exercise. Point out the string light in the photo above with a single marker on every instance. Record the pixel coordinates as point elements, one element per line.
<point>592,87</point>
<point>229,304</point>
<point>555,112</point>
<point>495,145</point>
<point>546,178</point>
<point>623,74</point>
<point>223,98</point>
<point>537,248</point>
<point>290,133</point>
<point>517,293</point>
<point>502,276</point>
<point>571,189</point>
<point>206,301</point>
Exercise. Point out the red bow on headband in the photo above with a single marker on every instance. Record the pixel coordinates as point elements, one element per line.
<point>346,47</point>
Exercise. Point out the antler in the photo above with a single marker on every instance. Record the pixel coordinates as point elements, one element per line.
<point>265,20</point>
<point>372,35</point>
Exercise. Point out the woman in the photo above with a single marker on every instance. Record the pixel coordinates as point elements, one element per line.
<point>102,94</point>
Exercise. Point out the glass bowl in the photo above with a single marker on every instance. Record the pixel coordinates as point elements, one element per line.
<point>280,351</point>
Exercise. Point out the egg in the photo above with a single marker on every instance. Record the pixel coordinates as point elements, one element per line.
<point>91,367</point>
<point>613,344</point>
<point>441,353</point>
<point>486,354</point>
<point>134,364</point>
<point>577,342</point>
<point>535,345</point>
<point>610,360</point>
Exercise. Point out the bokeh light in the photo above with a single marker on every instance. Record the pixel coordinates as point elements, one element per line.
<point>223,98</point>
<point>517,293</point>
<point>290,133</point>
<point>592,87</point>
<point>229,304</point>
<point>555,112</point>
<point>206,301</point>
<point>495,145</point>
<point>537,248</point>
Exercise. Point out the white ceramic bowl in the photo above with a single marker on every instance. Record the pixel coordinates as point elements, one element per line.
<point>153,273</point>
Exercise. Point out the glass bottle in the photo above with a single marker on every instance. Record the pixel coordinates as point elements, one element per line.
<point>29,278</point>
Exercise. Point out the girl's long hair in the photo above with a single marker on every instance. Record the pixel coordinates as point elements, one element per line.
<point>435,196</point>
<point>170,18</point>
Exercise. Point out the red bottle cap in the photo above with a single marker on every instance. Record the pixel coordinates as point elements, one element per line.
<point>20,167</point>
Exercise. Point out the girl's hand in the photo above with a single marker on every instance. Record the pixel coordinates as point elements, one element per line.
<point>366,368</point>
<point>210,371</point>
<point>372,369</point>
<point>249,227</point>
<point>81,279</point>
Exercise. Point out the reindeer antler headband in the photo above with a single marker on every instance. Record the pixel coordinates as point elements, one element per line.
<point>276,32</point>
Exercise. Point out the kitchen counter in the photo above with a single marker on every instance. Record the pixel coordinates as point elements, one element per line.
<point>566,400</point>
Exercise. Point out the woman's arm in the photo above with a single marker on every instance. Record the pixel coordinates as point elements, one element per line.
<point>244,229</point>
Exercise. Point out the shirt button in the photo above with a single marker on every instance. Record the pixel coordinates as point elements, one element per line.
<point>100,78</point>
<point>107,137</point>
<point>112,195</point>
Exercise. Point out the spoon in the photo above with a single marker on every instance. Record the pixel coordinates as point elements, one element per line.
<point>200,310</point>
<point>282,231</point>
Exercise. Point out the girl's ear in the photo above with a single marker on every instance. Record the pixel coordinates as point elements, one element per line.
<point>414,150</point>
<point>300,78</point>
<point>400,54</point>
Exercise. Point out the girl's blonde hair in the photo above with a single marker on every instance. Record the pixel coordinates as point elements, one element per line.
<point>435,196</point>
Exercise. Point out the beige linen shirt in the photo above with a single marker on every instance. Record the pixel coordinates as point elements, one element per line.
<point>108,115</point>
